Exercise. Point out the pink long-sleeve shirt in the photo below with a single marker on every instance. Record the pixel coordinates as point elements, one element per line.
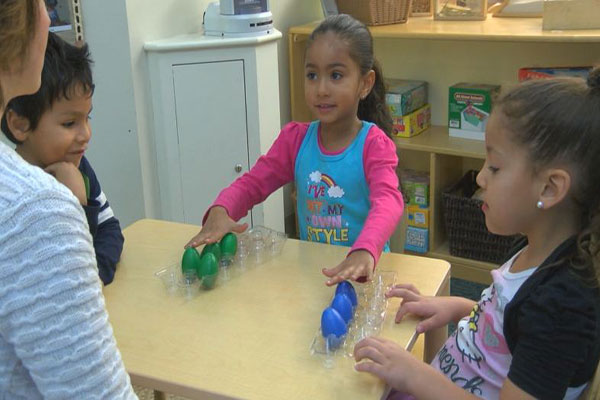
<point>276,168</point>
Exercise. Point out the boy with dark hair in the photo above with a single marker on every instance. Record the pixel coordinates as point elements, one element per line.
<point>51,130</point>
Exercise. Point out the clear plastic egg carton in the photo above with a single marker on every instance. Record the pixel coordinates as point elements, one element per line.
<point>367,321</point>
<point>254,247</point>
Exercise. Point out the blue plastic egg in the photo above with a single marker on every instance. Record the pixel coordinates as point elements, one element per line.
<point>342,304</point>
<point>332,324</point>
<point>346,288</point>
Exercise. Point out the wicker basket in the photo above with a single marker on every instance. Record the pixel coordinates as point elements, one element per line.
<point>465,224</point>
<point>376,12</point>
<point>421,8</point>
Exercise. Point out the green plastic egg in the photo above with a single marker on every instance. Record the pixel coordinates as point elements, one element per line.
<point>209,281</point>
<point>208,265</point>
<point>213,248</point>
<point>228,244</point>
<point>190,260</point>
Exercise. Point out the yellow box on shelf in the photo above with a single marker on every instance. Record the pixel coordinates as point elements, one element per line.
<point>418,216</point>
<point>412,124</point>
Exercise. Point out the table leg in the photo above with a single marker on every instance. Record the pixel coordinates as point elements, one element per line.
<point>434,339</point>
<point>158,395</point>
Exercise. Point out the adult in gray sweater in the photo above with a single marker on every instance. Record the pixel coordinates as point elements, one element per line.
<point>55,339</point>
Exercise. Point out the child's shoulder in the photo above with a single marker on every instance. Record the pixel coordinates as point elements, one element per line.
<point>295,128</point>
<point>377,140</point>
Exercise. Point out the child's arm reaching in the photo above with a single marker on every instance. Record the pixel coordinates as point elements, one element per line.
<point>216,225</point>
<point>271,171</point>
<point>380,162</point>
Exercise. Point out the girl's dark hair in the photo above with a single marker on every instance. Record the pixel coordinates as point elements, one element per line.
<point>66,68</point>
<point>558,120</point>
<point>18,23</point>
<point>360,44</point>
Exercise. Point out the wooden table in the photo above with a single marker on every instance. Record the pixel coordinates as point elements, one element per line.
<point>249,337</point>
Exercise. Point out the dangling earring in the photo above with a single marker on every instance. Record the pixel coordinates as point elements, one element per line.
<point>540,204</point>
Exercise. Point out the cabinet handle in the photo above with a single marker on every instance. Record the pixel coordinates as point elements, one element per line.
<point>238,168</point>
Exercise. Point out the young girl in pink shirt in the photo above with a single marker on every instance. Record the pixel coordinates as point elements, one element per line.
<point>343,164</point>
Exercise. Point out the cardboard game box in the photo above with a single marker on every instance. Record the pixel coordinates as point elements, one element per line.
<point>469,107</point>
<point>405,96</point>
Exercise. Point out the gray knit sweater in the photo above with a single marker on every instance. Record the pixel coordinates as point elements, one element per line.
<point>55,338</point>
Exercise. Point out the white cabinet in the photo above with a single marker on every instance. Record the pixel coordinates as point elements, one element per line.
<point>215,105</point>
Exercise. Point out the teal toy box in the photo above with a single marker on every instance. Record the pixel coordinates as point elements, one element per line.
<point>405,96</point>
<point>417,239</point>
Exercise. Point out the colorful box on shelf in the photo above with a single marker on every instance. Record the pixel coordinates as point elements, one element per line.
<point>469,107</point>
<point>417,239</point>
<point>553,72</point>
<point>418,216</point>
<point>405,96</point>
<point>412,124</point>
<point>415,187</point>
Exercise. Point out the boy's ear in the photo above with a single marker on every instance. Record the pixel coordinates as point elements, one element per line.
<point>18,125</point>
<point>368,82</point>
<point>556,187</point>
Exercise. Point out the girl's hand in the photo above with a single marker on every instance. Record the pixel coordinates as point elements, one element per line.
<point>68,174</point>
<point>436,311</point>
<point>386,360</point>
<point>359,263</point>
<point>218,223</point>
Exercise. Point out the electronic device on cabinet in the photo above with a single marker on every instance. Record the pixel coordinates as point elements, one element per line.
<point>238,18</point>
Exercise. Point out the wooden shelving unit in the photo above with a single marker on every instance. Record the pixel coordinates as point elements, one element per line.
<point>444,53</point>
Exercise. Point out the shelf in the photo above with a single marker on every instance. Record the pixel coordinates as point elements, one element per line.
<point>464,268</point>
<point>437,140</point>
<point>492,29</point>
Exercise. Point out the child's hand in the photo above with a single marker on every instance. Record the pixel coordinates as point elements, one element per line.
<point>359,263</point>
<point>386,360</point>
<point>218,223</point>
<point>436,311</point>
<point>68,174</point>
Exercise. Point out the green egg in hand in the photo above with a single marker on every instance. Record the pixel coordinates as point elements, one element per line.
<point>190,260</point>
<point>228,245</point>
<point>213,248</point>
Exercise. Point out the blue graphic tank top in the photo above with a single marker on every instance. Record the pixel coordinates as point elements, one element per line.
<point>332,191</point>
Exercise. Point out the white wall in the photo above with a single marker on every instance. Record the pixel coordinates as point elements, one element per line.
<point>114,151</point>
<point>124,155</point>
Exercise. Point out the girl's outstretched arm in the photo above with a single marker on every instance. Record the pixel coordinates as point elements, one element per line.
<point>271,171</point>
<point>380,162</point>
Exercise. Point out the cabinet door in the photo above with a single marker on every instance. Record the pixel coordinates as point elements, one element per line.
<point>210,107</point>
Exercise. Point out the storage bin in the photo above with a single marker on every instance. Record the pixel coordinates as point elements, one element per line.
<point>376,12</point>
<point>465,224</point>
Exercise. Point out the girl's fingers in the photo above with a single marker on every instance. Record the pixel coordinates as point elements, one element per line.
<point>239,228</point>
<point>408,308</point>
<point>370,367</point>
<point>195,241</point>
<point>407,286</point>
<point>405,294</point>
<point>369,352</point>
